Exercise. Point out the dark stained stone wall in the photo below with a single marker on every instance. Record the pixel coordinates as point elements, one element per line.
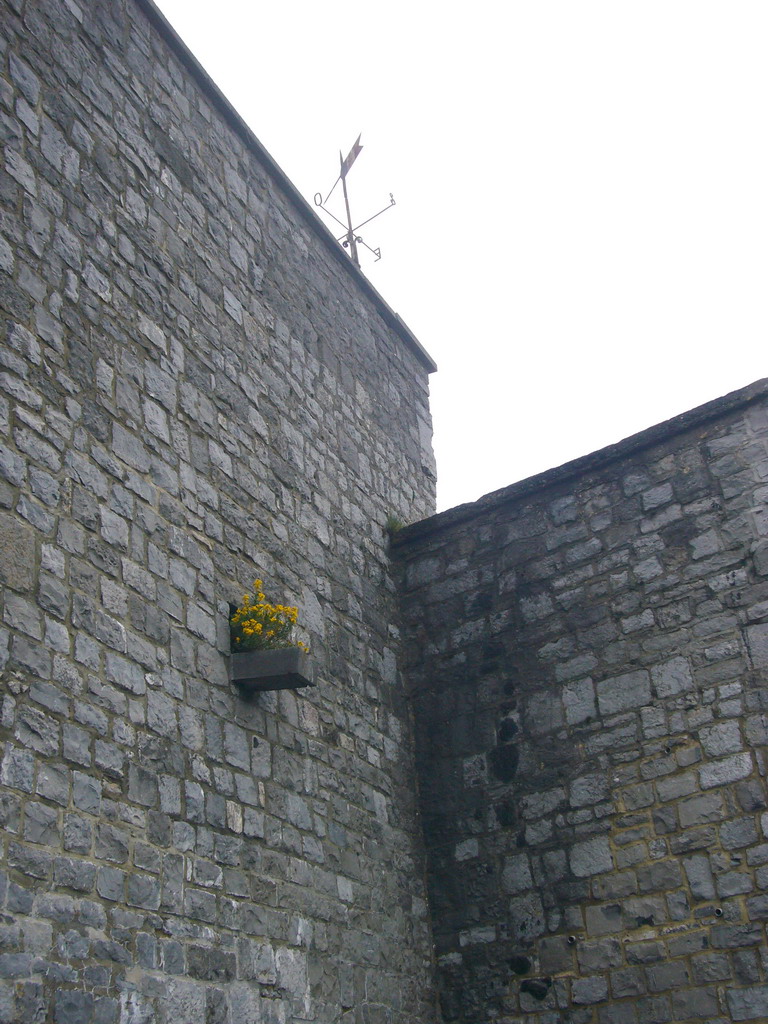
<point>588,654</point>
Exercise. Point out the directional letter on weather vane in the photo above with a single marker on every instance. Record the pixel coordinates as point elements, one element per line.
<point>350,239</point>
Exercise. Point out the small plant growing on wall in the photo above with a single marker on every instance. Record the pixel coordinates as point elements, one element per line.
<point>393,524</point>
<point>265,652</point>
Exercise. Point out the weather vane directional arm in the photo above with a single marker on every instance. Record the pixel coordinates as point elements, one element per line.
<point>350,239</point>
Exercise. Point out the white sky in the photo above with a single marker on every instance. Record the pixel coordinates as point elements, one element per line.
<point>581,232</point>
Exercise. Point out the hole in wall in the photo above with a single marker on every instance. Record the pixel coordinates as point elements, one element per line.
<point>504,761</point>
<point>507,730</point>
<point>505,812</point>
<point>536,987</point>
<point>520,964</point>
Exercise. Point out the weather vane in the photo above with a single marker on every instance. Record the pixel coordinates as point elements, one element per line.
<point>350,239</point>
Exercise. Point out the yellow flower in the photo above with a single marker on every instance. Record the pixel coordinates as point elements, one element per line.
<point>249,623</point>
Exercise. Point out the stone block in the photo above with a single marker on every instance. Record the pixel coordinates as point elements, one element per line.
<point>728,936</point>
<point>746,966</point>
<point>748,1003</point>
<point>757,642</point>
<point>110,884</point>
<point>624,692</point>
<point>757,908</point>
<point>659,876</point>
<point>143,891</point>
<point>686,944</point>
<point>654,1010</point>
<point>112,843</point>
<point>729,769</point>
<point>721,738</point>
<point>18,768</point>
<point>672,677</point>
<point>527,916</point>
<point>756,729</point>
<point>516,875</point>
<point>543,714</point>
<point>699,1003</point>
<point>579,701</point>
<point>110,758</point>
<point>10,816</point>
<point>635,797</point>
<point>200,905</point>
<point>710,967</point>
<point>738,832</point>
<point>676,786</point>
<point>699,810</point>
<point>589,790</point>
<point>614,885</point>
<point>74,1007</point>
<point>760,557</point>
<point>86,792</point>
<point>599,954</point>
<point>41,824</point>
<point>662,977</point>
<point>555,954</point>
<point>647,910</point>
<point>589,990</point>
<point>20,614</point>
<point>142,786</point>
<point>74,874</point>
<point>604,920</point>
<point>698,872</point>
<point>591,857</point>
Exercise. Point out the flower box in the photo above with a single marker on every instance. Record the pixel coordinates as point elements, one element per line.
<point>288,668</point>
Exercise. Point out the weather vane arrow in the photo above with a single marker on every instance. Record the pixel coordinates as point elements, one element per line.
<point>350,239</point>
<point>353,154</point>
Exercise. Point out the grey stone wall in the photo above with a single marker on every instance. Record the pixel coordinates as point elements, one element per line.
<point>195,390</point>
<point>588,652</point>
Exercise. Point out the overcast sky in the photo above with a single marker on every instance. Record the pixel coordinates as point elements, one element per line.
<point>581,232</point>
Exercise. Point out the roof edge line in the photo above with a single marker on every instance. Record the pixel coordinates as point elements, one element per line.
<point>156,17</point>
<point>647,438</point>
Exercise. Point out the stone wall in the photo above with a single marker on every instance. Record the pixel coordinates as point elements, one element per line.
<point>588,652</point>
<point>196,388</point>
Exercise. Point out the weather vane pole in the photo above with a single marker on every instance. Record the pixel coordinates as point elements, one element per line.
<point>350,239</point>
<point>345,166</point>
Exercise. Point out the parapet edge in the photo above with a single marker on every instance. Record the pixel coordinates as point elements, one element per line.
<point>302,207</point>
<point>647,438</point>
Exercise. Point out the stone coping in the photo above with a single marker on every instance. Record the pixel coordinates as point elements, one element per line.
<point>302,207</point>
<point>657,434</point>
